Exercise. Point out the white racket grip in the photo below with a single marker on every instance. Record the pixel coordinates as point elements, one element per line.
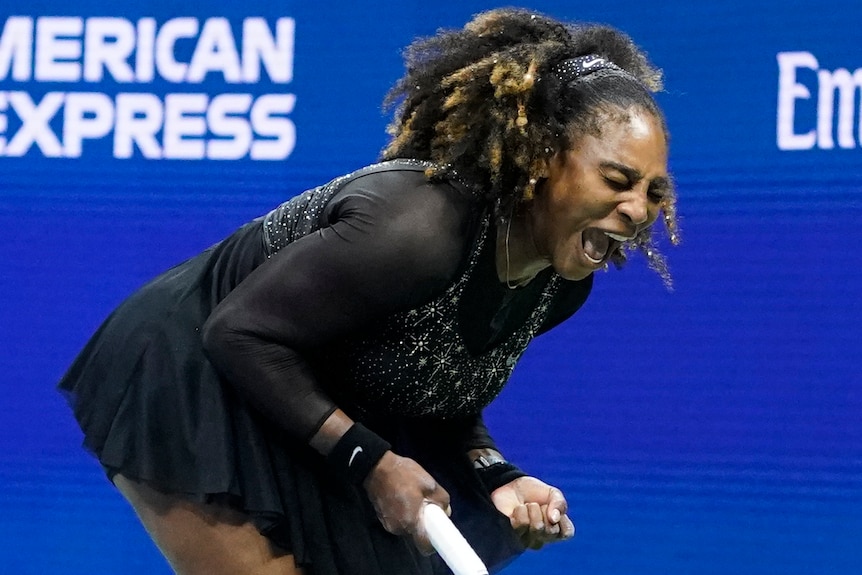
<point>450,544</point>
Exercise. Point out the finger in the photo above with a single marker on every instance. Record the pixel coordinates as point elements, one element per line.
<point>557,505</point>
<point>388,525</point>
<point>440,497</point>
<point>447,508</point>
<point>552,530</point>
<point>520,518</point>
<point>534,539</point>
<point>537,520</point>
<point>567,528</point>
<point>529,525</point>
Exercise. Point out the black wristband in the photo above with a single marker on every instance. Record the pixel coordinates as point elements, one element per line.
<point>498,475</point>
<point>357,452</point>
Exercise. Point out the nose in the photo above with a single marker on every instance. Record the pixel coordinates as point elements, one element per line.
<point>635,208</point>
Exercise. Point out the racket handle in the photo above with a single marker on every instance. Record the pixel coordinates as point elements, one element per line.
<point>450,544</point>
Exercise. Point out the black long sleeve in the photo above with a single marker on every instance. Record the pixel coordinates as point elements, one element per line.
<point>384,249</point>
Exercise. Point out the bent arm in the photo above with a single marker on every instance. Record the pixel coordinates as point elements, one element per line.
<point>383,252</point>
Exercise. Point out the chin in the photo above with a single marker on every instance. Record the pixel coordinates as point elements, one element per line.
<point>572,273</point>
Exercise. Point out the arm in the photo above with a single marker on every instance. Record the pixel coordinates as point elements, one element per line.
<point>536,510</point>
<point>383,252</point>
<point>482,451</point>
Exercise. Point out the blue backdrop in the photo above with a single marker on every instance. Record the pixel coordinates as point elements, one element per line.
<point>712,430</point>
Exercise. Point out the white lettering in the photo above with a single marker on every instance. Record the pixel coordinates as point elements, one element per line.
<point>110,50</point>
<point>16,42</point>
<point>139,119</point>
<point>145,69</point>
<point>108,43</point>
<point>87,115</point>
<point>266,121</point>
<point>4,122</point>
<point>215,52</point>
<point>69,49</point>
<point>166,41</point>
<point>35,128</point>
<point>789,90</point>
<point>225,120</point>
<point>847,84</point>
<point>185,126</point>
<point>258,46</point>
<point>58,49</point>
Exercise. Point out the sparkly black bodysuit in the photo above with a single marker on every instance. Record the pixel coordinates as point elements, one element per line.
<point>377,293</point>
<point>407,316</point>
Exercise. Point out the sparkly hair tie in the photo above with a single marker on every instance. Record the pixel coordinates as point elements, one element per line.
<point>574,68</point>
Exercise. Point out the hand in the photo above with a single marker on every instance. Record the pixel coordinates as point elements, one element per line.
<point>536,511</point>
<point>399,488</point>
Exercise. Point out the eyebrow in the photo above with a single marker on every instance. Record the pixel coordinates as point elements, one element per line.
<point>660,183</point>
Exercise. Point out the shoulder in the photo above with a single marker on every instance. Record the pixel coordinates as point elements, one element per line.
<point>431,221</point>
<point>401,200</point>
<point>404,191</point>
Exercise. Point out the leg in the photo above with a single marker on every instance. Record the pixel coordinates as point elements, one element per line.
<point>204,539</point>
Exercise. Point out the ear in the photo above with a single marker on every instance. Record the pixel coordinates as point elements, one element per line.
<point>543,166</point>
<point>555,164</point>
<point>558,160</point>
<point>538,173</point>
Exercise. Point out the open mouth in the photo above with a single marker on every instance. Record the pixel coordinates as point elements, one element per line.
<point>599,245</point>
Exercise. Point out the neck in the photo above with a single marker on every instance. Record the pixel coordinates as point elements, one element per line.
<point>518,259</point>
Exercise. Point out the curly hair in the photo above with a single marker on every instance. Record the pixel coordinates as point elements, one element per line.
<point>483,105</point>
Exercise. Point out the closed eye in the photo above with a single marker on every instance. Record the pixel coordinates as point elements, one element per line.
<point>655,196</point>
<point>618,185</point>
<point>658,190</point>
<point>621,178</point>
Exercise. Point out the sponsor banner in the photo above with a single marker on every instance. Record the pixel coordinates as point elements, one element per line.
<point>265,81</point>
<point>130,85</point>
<point>831,95</point>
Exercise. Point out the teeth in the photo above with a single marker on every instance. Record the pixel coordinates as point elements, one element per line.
<point>592,260</point>
<point>618,237</point>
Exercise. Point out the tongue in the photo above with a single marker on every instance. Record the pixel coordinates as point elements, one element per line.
<point>596,244</point>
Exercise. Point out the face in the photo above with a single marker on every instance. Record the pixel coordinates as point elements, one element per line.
<point>600,193</point>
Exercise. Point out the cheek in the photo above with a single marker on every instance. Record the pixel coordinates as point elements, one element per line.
<point>566,212</point>
<point>567,250</point>
<point>577,209</point>
<point>654,213</point>
<point>565,232</point>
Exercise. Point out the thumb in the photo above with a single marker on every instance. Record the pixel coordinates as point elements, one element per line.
<point>557,506</point>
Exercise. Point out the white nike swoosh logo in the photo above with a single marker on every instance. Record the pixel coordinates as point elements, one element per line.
<point>593,62</point>
<point>356,451</point>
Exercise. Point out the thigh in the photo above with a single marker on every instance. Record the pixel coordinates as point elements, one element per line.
<point>204,539</point>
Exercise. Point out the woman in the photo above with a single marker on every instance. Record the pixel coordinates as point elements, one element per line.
<point>287,401</point>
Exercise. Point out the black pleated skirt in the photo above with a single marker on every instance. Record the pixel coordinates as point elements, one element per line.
<point>153,408</point>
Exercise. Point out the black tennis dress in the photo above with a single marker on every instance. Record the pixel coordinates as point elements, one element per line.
<point>376,293</point>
